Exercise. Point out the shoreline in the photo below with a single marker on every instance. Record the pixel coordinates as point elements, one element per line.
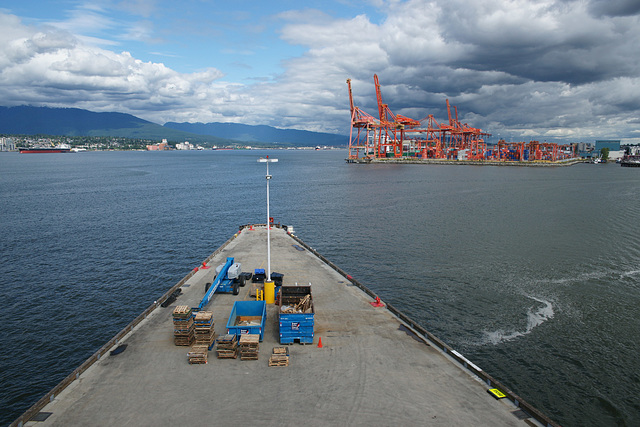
<point>417,161</point>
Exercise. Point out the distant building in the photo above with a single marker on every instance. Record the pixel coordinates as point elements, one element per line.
<point>615,152</point>
<point>185,146</point>
<point>611,144</point>
<point>159,147</point>
<point>7,144</point>
<point>586,150</point>
<point>632,149</point>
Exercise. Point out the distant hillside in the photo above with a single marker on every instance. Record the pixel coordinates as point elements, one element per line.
<point>262,134</point>
<point>25,120</point>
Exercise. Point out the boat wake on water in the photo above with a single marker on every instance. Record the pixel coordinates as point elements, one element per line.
<point>629,273</point>
<point>536,316</point>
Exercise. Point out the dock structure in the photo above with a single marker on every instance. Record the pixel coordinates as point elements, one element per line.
<point>371,367</point>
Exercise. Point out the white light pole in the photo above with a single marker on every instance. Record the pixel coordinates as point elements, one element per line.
<point>267,161</point>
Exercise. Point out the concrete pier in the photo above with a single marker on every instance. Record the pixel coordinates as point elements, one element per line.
<point>372,368</point>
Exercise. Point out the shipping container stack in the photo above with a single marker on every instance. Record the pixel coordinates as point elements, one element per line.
<point>248,346</point>
<point>183,327</point>
<point>198,354</point>
<point>227,347</point>
<point>204,328</point>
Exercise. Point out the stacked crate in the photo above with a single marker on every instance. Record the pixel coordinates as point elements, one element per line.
<point>279,357</point>
<point>198,354</point>
<point>227,347</point>
<point>204,328</point>
<point>248,346</point>
<point>183,328</point>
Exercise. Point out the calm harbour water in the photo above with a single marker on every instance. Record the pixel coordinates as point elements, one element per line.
<point>531,273</point>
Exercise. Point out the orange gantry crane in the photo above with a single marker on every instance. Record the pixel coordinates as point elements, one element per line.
<point>362,142</point>
<point>395,135</point>
<point>393,127</point>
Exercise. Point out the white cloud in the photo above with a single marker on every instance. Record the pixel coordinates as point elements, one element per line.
<point>50,67</point>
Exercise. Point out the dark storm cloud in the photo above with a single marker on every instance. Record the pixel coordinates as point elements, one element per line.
<point>614,7</point>
<point>541,41</point>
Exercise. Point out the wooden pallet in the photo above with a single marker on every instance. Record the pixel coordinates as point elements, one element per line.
<point>182,312</point>
<point>204,320</point>
<point>198,354</point>
<point>227,354</point>
<point>183,340</point>
<point>278,360</point>
<point>183,331</point>
<point>249,340</point>
<point>204,328</point>
<point>227,341</point>
<point>208,335</point>
<point>227,347</point>
<point>183,323</point>
<point>248,346</point>
<point>205,339</point>
<point>281,350</point>
<point>279,356</point>
<point>204,316</point>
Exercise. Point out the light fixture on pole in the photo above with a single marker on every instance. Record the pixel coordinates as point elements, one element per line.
<point>267,161</point>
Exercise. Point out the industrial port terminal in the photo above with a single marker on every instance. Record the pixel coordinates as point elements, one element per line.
<point>396,138</point>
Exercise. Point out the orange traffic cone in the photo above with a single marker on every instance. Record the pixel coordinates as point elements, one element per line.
<point>319,342</point>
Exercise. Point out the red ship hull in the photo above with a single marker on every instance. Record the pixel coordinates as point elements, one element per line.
<point>44,150</point>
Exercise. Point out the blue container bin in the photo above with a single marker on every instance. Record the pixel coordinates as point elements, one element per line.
<point>298,326</point>
<point>247,317</point>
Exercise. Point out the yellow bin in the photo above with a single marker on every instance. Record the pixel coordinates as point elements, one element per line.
<point>269,292</point>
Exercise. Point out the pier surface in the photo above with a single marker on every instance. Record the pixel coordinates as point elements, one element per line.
<point>370,370</point>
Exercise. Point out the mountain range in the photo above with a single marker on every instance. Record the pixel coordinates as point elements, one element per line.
<point>28,120</point>
<point>260,134</point>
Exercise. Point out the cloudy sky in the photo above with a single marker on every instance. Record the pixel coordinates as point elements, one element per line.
<point>562,71</point>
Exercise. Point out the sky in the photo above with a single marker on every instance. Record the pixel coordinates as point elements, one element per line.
<point>548,70</point>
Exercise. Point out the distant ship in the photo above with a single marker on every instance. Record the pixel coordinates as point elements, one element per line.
<point>63,148</point>
<point>631,157</point>
<point>630,161</point>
